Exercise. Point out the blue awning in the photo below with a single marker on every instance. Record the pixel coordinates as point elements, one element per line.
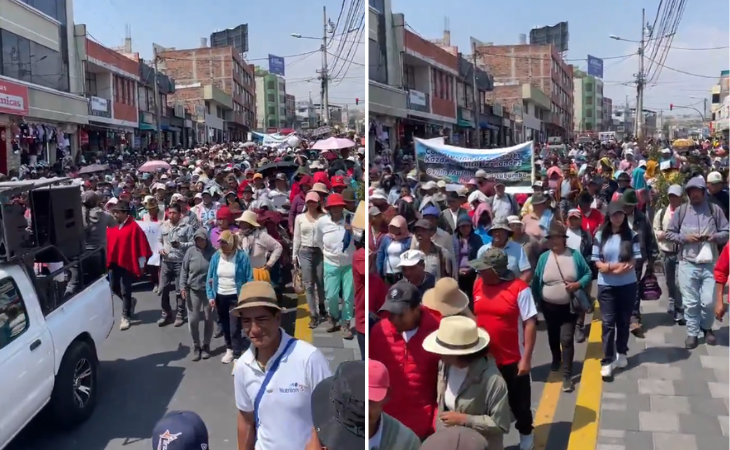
<point>147,127</point>
<point>488,126</point>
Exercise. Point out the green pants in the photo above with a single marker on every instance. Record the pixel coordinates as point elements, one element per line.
<point>338,285</point>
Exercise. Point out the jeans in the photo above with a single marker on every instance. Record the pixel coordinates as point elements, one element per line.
<point>697,284</point>
<point>670,263</point>
<point>338,284</point>
<point>636,310</point>
<point>169,278</point>
<point>232,329</point>
<point>199,308</point>
<point>121,284</point>
<point>519,397</point>
<point>616,303</point>
<point>312,266</point>
<point>561,330</point>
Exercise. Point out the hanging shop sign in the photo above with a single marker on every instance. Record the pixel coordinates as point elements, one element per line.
<point>99,104</point>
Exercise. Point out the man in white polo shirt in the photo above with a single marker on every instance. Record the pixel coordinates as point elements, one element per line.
<point>275,378</point>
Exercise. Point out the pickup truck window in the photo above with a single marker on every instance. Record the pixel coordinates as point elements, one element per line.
<point>13,314</point>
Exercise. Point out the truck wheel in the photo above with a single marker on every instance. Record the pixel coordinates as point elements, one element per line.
<point>75,390</point>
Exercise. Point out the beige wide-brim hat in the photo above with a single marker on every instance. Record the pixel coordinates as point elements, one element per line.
<point>446,298</point>
<point>250,218</point>
<point>360,219</point>
<point>457,335</point>
<point>256,294</point>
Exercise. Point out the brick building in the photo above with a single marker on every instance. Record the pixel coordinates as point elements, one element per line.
<point>217,81</point>
<point>534,77</point>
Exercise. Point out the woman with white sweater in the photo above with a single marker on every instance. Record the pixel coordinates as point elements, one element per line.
<point>307,257</point>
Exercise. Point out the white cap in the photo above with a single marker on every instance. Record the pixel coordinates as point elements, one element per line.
<point>427,186</point>
<point>675,189</point>
<point>199,195</point>
<point>441,184</point>
<point>666,150</point>
<point>176,198</point>
<point>379,194</point>
<point>642,163</point>
<point>411,258</point>
<point>480,174</point>
<point>714,177</point>
<point>164,177</point>
<point>514,219</point>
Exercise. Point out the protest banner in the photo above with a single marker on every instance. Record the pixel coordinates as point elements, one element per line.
<point>511,165</point>
<point>152,231</point>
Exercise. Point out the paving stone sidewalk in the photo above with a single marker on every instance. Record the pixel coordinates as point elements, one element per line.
<point>334,348</point>
<point>668,398</point>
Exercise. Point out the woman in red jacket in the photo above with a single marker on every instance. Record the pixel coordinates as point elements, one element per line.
<point>721,276</point>
<point>397,342</point>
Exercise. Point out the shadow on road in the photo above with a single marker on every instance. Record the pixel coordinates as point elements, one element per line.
<point>134,395</point>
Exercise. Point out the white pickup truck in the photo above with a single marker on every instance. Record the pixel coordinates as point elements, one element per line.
<point>49,341</point>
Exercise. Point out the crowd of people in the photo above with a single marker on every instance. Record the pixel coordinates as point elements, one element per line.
<point>466,271</point>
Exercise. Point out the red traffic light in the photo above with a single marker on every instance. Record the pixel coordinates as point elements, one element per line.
<point>671,106</point>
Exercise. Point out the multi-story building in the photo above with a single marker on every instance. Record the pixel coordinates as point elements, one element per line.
<point>607,110</point>
<point>306,115</point>
<point>218,84</point>
<point>291,109</point>
<point>471,109</point>
<point>111,87</point>
<point>41,81</point>
<point>587,102</point>
<point>270,101</point>
<point>534,77</point>
<point>719,96</point>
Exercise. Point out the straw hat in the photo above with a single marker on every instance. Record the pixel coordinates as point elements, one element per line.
<point>359,221</point>
<point>250,218</point>
<point>446,298</point>
<point>256,293</point>
<point>457,335</point>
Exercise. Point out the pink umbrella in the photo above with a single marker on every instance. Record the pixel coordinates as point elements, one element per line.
<point>154,166</point>
<point>333,143</point>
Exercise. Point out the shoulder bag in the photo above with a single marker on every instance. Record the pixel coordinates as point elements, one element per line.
<point>580,303</point>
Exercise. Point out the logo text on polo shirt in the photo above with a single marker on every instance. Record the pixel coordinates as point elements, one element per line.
<point>293,388</point>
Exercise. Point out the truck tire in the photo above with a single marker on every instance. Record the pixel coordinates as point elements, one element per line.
<point>75,389</point>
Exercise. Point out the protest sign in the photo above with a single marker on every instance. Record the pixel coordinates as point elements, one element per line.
<point>511,165</point>
<point>152,231</point>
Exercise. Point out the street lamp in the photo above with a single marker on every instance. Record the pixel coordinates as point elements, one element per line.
<point>619,38</point>
<point>299,36</point>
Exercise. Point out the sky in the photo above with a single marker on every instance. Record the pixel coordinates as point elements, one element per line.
<point>181,24</point>
<point>704,24</point>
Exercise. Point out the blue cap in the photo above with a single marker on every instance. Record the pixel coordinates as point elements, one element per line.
<point>430,211</point>
<point>180,430</point>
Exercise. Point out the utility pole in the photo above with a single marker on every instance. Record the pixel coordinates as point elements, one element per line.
<point>324,75</point>
<point>475,94</point>
<point>640,84</point>
<point>158,107</point>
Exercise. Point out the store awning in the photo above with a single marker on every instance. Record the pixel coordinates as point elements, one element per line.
<point>488,126</point>
<point>174,128</point>
<point>464,123</point>
<point>147,127</point>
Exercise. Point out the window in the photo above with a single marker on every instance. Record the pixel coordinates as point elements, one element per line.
<point>142,99</point>
<point>53,8</point>
<point>91,84</point>
<point>27,61</point>
<point>378,5</point>
<point>272,110</point>
<point>13,315</point>
<point>270,98</point>
<point>271,85</point>
<point>589,100</point>
<point>378,67</point>
<point>589,87</point>
<point>15,56</point>
<point>589,113</point>
<point>715,98</point>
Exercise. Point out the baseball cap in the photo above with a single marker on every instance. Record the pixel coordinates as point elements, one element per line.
<point>374,211</point>
<point>675,189</point>
<point>430,211</point>
<point>401,296</point>
<point>410,258</point>
<point>441,184</point>
<point>257,176</point>
<point>455,438</point>
<point>574,213</point>
<point>514,219</point>
<point>427,186</point>
<point>378,381</point>
<point>423,223</point>
<point>338,181</point>
<point>480,174</point>
<point>180,430</point>
<point>714,177</point>
<point>338,407</point>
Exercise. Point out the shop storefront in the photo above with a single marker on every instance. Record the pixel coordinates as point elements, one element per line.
<point>37,124</point>
<point>464,131</point>
<point>177,124</point>
<point>147,133</point>
<point>490,126</point>
<point>188,140</point>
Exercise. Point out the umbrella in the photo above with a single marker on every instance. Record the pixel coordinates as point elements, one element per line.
<point>333,143</point>
<point>154,166</point>
<point>286,167</point>
<point>93,168</point>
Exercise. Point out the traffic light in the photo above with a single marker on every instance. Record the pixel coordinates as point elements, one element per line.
<point>671,106</point>
<point>357,101</point>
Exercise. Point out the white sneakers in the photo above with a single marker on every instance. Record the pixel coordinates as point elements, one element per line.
<point>124,324</point>
<point>228,357</point>
<point>527,441</point>
<point>620,363</point>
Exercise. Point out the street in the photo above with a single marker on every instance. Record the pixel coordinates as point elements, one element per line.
<point>146,371</point>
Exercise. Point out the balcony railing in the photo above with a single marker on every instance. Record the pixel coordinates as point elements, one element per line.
<point>418,101</point>
<point>100,107</point>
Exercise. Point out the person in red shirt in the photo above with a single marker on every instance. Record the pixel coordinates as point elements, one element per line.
<point>127,254</point>
<point>504,306</point>
<point>591,218</point>
<point>397,342</point>
<point>722,269</point>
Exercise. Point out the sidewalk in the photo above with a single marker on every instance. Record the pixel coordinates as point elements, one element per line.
<point>667,398</point>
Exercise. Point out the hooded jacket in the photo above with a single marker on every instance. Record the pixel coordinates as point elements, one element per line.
<point>194,272</point>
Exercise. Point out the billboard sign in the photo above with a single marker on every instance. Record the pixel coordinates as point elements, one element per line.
<point>556,35</point>
<point>595,66</point>
<point>276,65</point>
<point>13,98</point>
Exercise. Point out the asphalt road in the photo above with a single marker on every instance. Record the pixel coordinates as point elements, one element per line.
<point>146,371</point>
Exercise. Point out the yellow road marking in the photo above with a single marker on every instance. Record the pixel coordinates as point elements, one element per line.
<point>584,431</point>
<point>546,409</point>
<point>301,326</point>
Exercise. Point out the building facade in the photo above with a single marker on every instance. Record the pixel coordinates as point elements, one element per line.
<point>718,104</point>
<point>533,77</point>
<point>471,112</point>
<point>41,85</point>
<point>607,111</point>
<point>219,85</point>
<point>306,115</point>
<point>587,102</point>
<point>291,109</point>
<point>271,101</point>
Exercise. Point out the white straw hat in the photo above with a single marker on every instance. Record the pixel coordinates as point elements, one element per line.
<point>457,335</point>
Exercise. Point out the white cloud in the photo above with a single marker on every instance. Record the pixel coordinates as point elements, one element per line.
<point>671,86</point>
